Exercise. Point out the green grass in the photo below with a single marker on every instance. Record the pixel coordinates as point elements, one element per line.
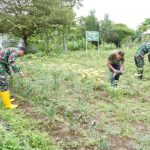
<point>66,102</point>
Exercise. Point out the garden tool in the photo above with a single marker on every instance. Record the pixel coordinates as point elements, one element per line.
<point>11,86</point>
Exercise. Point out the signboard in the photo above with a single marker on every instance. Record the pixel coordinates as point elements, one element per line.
<point>92,35</point>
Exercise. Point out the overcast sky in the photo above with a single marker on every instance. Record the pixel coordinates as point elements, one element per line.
<point>130,12</point>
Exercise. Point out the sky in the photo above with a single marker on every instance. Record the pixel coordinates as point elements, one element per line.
<point>130,12</point>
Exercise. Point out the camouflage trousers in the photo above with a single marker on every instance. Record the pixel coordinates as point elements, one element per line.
<point>139,62</point>
<point>3,78</point>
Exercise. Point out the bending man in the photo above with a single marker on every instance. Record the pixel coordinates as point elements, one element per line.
<point>139,58</point>
<point>7,64</point>
<point>115,64</point>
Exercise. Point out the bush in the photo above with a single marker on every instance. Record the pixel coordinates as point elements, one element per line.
<point>108,46</point>
<point>10,42</point>
<point>76,45</point>
<point>79,45</point>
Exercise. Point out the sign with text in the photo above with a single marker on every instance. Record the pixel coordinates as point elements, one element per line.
<point>92,36</point>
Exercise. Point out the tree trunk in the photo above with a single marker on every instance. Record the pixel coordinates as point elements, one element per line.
<point>47,42</point>
<point>25,40</point>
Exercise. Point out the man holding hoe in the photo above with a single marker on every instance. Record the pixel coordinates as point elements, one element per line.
<point>7,64</point>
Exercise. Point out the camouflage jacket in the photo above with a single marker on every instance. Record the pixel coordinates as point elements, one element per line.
<point>144,49</point>
<point>7,58</point>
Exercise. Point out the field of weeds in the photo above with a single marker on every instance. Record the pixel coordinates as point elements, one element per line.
<point>66,103</point>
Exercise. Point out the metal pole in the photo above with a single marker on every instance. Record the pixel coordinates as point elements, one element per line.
<point>98,45</point>
<point>86,45</point>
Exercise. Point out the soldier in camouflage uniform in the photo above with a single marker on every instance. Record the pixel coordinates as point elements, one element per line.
<point>139,58</point>
<point>7,64</point>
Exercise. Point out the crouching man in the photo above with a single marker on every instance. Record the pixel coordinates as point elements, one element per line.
<point>115,64</point>
<point>7,64</point>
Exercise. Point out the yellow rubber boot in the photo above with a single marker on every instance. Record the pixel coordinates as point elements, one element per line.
<point>11,100</point>
<point>6,100</point>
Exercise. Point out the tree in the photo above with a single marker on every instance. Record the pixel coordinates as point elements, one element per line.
<point>144,26</point>
<point>106,28</point>
<point>90,22</point>
<point>112,32</point>
<point>24,18</point>
<point>120,32</point>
